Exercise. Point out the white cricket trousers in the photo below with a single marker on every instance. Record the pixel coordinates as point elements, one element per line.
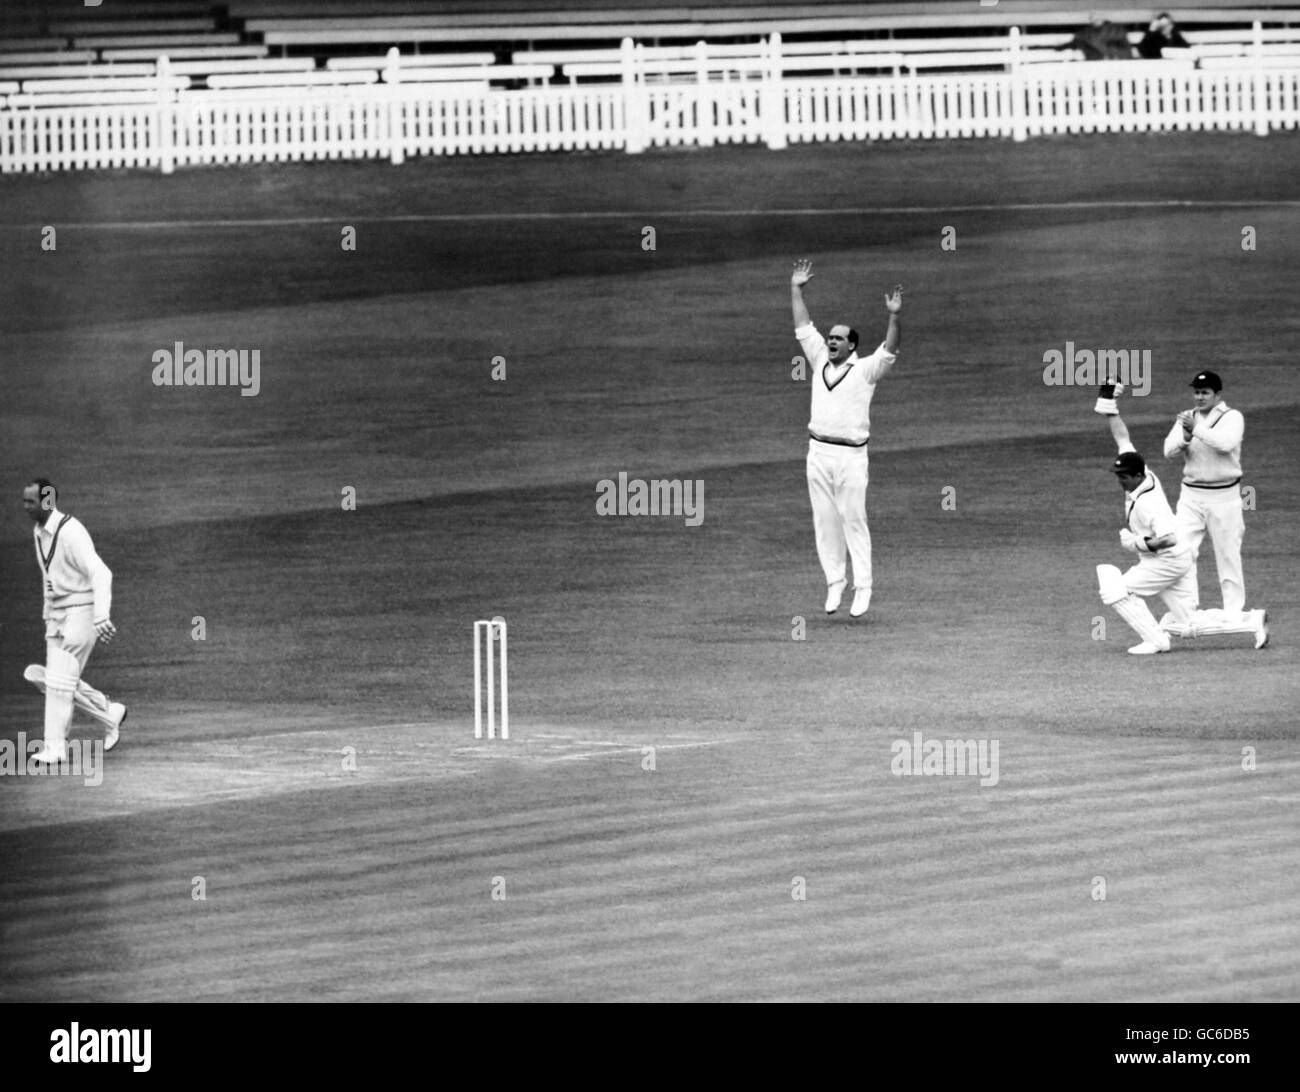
<point>837,487</point>
<point>1170,576</point>
<point>1219,512</point>
<point>69,640</point>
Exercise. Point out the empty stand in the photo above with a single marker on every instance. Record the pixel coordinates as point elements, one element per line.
<point>148,82</point>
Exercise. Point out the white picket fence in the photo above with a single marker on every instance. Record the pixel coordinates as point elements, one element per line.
<point>175,127</point>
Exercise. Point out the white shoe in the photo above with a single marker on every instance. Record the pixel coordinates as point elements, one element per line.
<point>1261,627</point>
<point>1146,648</point>
<point>834,593</point>
<point>861,601</point>
<point>45,756</point>
<point>117,711</point>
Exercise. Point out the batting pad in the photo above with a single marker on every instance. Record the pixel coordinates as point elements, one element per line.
<point>62,672</point>
<point>1178,629</point>
<point>1111,582</point>
<point>1138,615</point>
<point>1206,623</point>
<point>82,698</point>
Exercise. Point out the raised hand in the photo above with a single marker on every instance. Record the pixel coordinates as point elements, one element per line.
<point>802,273</point>
<point>895,302</point>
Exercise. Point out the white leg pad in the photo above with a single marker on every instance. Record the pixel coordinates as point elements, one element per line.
<point>1111,583</point>
<point>1138,615</point>
<point>62,672</point>
<point>86,698</point>
<point>91,701</point>
<point>1206,623</point>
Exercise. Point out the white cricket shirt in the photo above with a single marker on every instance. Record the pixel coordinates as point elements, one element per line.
<point>72,573</point>
<point>1148,515</point>
<point>841,396</point>
<point>1213,455</point>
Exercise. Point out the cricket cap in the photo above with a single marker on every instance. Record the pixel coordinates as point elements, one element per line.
<point>1209,380</point>
<point>1129,462</point>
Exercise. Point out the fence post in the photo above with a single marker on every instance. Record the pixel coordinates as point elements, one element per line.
<point>166,157</point>
<point>634,120</point>
<point>393,78</point>
<point>1019,130</point>
<point>705,134</point>
<point>1261,94</point>
<point>772,95</point>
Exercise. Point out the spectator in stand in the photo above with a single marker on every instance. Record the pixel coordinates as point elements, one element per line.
<point>1102,41</point>
<point>1161,35</point>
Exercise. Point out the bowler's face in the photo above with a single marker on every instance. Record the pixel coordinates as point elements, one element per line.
<point>1204,397</point>
<point>837,341</point>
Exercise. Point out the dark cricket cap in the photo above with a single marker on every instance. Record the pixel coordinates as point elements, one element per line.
<point>1129,462</point>
<point>1207,379</point>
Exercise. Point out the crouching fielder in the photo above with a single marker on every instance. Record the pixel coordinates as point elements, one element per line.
<point>78,600</point>
<point>1165,566</point>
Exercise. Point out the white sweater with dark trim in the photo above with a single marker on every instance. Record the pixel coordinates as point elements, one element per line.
<point>1213,455</point>
<point>841,396</point>
<point>76,575</point>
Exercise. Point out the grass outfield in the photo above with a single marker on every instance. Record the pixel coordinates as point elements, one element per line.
<point>329,628</point>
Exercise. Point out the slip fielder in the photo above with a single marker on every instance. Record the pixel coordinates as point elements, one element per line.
<point>1165,564</point>
<point>78,589</point>
<point>839,428</point>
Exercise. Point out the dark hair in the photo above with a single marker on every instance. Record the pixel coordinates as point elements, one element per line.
<point>43,484</point>
<point>853,337</point>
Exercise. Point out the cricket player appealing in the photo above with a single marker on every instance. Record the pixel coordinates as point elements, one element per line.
<point>840,426</point>
<point>78,590</point>
<point>1208,439</point>
<point>1165,564</point>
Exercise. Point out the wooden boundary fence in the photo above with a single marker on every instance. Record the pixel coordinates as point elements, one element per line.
<point>167,125</point>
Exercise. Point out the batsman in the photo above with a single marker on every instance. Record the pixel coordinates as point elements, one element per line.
<point>78,589</point>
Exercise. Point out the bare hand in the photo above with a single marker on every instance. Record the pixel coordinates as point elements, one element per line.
<point>106,631</point>
<point>1188,420</point>
<point>802,273</point>
<point>895,302</point>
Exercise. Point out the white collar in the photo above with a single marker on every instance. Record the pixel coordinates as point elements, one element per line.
<point>51,524</point>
